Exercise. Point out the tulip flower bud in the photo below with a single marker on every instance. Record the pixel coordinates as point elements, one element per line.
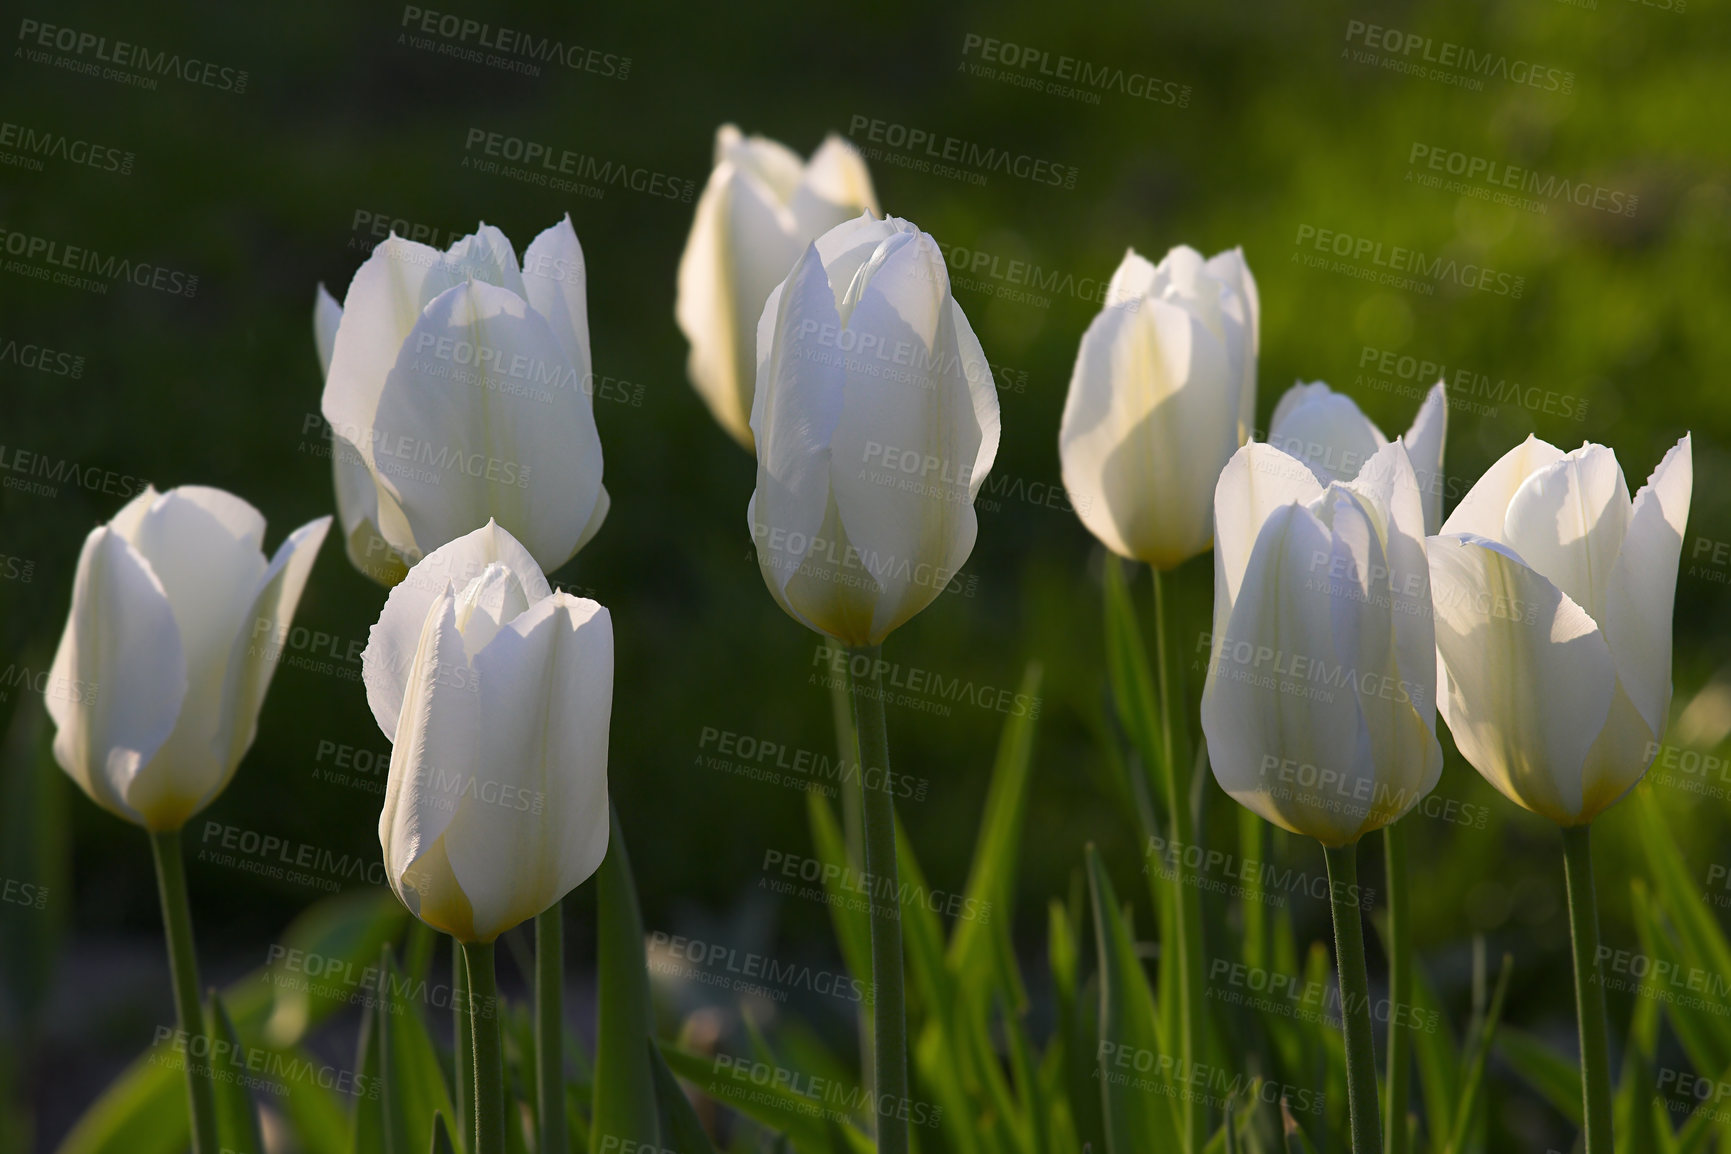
<point>1330,433</point>
<point>1163,391</point>
<point>496,693</point>
<point>177,623</point>
<point>760,209</point>
<point>1320,706</point>
<point>876,421</point>
<point>458,390</point>
<point>1553,597</point>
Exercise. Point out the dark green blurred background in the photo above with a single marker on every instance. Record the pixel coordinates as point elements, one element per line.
<point>258,194</point>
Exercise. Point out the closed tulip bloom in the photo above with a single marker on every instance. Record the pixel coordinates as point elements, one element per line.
<point>760,209</point>
<point>1320,703</point>
<point>1163,392</point>
<point>1330,433</point>
<point>461,384</point>
<point>177,622</point>
<point>1553,596</point>
<point>496,693</point>
<point>876,419</point>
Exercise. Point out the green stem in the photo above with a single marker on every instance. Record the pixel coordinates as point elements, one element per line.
<point>1589,989</point>
<point>183,967</point>
<point>550,1028</point>
<point>463,1043</point>
<point>841,712</point>
<point>1175,749</point>
<point>1354,998</point>
<point>890,1061</point>
<point>1394,1127</point>
<point>489,1070</point>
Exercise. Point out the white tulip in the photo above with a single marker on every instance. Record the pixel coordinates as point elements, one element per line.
<point>760,209</point>
<point>177,623</point>
<point>876,421</point>
<point>1553,596</point>
<point>462,386</point>
<point>1163,392</point>
<point>1320,703</point>
<point>496,693</point>
<point>1330,433</point>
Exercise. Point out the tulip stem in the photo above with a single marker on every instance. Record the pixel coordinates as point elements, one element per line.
<point>183,967</point>
<point>890,1056</point>
<point>1589,989</point>
<point>550,1028</point>
<point>1175,750</point>
<point>1394,1126</point>
<point>484,1029</point>
<point>841,710</point>
<point>462,1042</point>
<point>1354,998</point>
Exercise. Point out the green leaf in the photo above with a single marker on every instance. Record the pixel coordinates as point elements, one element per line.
<point>414,1079</point>
<point>772,1105</point>
<point>143,1111</point>
<point>1473,1073</point>
<point>852,923</point>
<point>441,1139</point>
<point>1557,1077</point>
<point>625,1102</point>
<point>1138,1116</point>
<point>367,1126</point>
<point>236,1114</point>
<point>1127,672</point>
<point>680,1128</point>
<point>339,939</point>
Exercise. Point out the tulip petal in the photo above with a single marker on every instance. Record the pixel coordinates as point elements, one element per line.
<point>555,281</point>
<point>118,679</point>
<point>1424,445</point>
<point>1131,280</point>
<point>602,503</point>
<point>1256,481</point>
<point>253,657</point>
<point>795,410</point>
<point>1643,585</point>
<point>1324,429</point>
<point>535,825</point>
<point>1567,521</point>
<point>388,661</point>
<point>435,753</point>
<point>482,393</point>
<point>704,306</point>
<point>1527,679</point>
<point>327,316</point>
<point>836,178</point>
<point>359,502</point>
<point>1482,511</point>
<point>1296,753</point>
